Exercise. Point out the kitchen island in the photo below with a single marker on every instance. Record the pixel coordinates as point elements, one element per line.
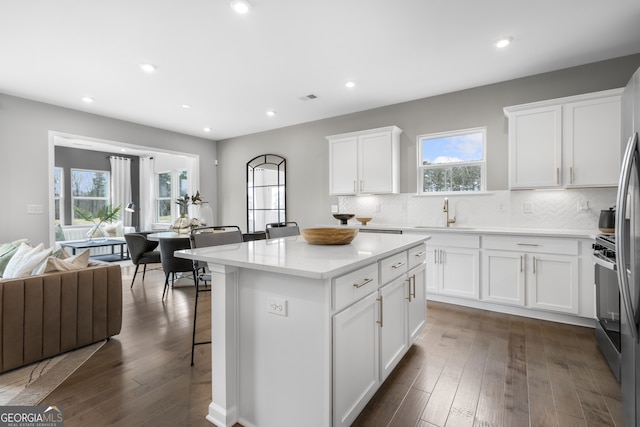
<point>305,334</point>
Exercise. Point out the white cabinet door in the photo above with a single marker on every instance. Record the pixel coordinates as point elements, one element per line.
<point>393,326</point>
<point>356,362</point>
<point>343,165</point>
<point>535,143</point>
<point>591,142</point>
<point>365,162</point>
<point>459,272</point>
<point>553,283</point>
<point>503,277</point>
<point>377,172</point>
<point>433,270</point>
<point>417,301</point>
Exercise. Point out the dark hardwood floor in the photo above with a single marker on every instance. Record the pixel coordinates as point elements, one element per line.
<point>469,368</point>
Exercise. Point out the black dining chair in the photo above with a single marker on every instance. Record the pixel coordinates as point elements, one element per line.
<point>172,264</point>
<point>275,230</point>
<point>141,251</point>
<point>202,237</point>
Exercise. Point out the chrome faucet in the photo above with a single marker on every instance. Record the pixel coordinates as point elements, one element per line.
<point>446,210</point>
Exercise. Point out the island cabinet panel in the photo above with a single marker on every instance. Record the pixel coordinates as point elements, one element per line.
<point>355,285</point>
<point>396,311</point>
<point>356,363</point>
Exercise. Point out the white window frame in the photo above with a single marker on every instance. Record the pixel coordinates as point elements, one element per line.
<point>175,193</point>
<point>59,197</point>
<point>482,163</point>
<point>107,198</point>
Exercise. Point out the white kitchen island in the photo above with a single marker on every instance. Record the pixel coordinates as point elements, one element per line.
<point>305,334</point>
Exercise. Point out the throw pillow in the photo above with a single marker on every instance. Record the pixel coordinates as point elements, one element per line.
<point>59,254</point>
<point>75,262</point>
<point>7,251</point>
<point>25,260</point>
<point>60,234</point>
<point>115,229</point>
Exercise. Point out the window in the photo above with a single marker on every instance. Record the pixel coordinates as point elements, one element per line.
<point>452,161</point>
<point>89,191</point>
<point>58,195</point>
<point>171,185</point>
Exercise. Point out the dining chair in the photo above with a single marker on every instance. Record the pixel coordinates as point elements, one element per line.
<point>141,251</point>
<point>202,237</point>
<point>282,229</point>
<point>170,263</point>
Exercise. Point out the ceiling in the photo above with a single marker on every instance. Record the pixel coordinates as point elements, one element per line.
<point>234,68</point>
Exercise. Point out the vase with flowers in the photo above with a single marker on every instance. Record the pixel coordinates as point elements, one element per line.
<point>183,224</point>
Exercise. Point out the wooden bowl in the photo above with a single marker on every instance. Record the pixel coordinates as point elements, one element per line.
<point>343,218</point>
<point>363,219</point>
<point>329,236</point>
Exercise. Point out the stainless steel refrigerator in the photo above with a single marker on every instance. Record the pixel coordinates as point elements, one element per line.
<point>627,238</point>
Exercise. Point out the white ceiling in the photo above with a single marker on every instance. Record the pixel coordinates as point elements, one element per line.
<point>233,68</point>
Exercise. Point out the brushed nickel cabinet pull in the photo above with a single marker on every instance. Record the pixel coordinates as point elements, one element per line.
<point>379,299</point>
<point>398,265</point>
<point>355,186</point>
<point>361,185</point>
<point>420,254</point>
<point>435,256</point>
<point>528,244</point>
<point>557,175</point>
<point>534,265</point>
<point>412,281</point>
<point>571,174</point>
<point>408,280</point>
<point>364,282</point>
<point>521,263</point>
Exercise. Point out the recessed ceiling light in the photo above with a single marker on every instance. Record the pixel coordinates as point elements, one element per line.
<point>207,129</point>
<point>271,113</point>
<point>504,42</point>
<point>241,6</point>
<point>350,84</point>
<point>88,99</point>
<point>186,106</point>
<point>148,68</point>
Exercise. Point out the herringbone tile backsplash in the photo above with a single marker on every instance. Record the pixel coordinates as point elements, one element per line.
<point>548,209</point>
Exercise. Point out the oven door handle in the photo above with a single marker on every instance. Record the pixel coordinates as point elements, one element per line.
<point>605,264</point>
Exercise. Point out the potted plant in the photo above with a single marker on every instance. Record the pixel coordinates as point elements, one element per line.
<point>183,224</point>
<point>105,214</point>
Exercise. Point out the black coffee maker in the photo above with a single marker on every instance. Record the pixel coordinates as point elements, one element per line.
<point>607,221</point>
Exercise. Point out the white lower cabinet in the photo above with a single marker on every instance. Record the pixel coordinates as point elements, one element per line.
<point>539,273</point>
<point>417,301</point>
<point>371,335</point>
<point>454,268</point>
<point>393,324</point>
<point>356,362</point>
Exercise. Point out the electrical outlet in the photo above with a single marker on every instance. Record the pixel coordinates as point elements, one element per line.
<point>527,207</point>
<point>583,206</point>
<point>500,207</point>
<point>35,209</point>
<point>277,306</point>
<point>334,208</point>
<point>378,208</point>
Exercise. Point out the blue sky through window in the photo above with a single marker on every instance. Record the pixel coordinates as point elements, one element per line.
<point>453,149</point>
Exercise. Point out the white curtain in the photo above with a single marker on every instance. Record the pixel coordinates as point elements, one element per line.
<point>146,205</point>
<point>121,186</point>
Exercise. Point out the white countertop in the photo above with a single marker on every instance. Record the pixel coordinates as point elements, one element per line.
<point>548,232</point>
<point>294,256</point>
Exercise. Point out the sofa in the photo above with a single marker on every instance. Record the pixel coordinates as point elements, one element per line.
<point>48,314</point>
<point>74,233</point>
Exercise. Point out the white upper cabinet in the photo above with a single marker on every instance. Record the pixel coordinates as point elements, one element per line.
<point>566,142</point>
<point>365,162</point>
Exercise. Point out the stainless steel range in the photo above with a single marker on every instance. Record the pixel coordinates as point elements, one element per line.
<point>607,300</point>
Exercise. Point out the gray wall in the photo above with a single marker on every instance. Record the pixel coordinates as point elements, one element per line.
<point>307,152</point>
<point>24,157</point>
<point>72,158</point>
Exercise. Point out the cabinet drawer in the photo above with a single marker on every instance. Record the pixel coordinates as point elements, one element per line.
<point>455,240</point>
<point>417,256</point>
<point>548,245</point>
<point>355,285</point>
<point>393,267</point>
